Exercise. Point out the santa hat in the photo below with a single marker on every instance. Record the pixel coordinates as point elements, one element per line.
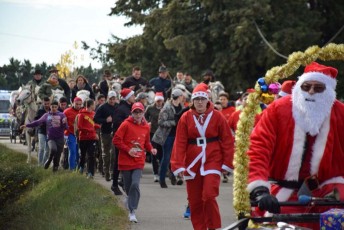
<point>77,99</point>
<point>159,96</point>
<point>321,73</point>
<point>126,93</point>
<point>286,88</point>
<point>201,90</point>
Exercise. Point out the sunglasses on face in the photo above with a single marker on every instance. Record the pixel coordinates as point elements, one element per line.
<point>317,88</point>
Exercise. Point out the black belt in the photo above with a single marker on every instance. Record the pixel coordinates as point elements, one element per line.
<point>208,140</point>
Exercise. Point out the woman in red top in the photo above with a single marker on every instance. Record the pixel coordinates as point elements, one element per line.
<point>132,139</point>
<point>87,137</point>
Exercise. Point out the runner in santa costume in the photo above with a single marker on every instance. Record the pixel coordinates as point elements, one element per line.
<point>202,149</point>
<point>299,139</point>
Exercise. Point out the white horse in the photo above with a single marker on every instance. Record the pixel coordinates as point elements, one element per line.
<point>26,98</point>
<point>117,87</point>
<point>83,94</point>
<point>215,89</point>
<point>57,94</point>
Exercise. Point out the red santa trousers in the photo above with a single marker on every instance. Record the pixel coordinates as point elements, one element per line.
<point>202,192</point>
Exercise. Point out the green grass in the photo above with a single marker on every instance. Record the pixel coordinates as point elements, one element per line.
<point>62,200</point>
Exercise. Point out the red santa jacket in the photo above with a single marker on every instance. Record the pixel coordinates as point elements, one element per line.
<point>228,111</point>
<point>234,119</point>
<point>206,158</point>
<point>86,126</point>
<point>277,146</point>
<point>70,114</point>
<point>131,134</point>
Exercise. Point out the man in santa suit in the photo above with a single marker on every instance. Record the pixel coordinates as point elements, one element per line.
<point>203,148</point>
<point>299,141</point>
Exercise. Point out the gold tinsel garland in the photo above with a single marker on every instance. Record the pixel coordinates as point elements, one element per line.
<point>241,199</point>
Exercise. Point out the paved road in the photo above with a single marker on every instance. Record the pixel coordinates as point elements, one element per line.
<point>161,208</point>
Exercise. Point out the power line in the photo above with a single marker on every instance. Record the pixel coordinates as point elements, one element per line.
<point>34,38</point>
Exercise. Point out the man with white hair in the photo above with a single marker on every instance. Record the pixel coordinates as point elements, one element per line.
<point>297,147</point>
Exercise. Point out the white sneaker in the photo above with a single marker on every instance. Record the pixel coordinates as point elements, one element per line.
<point>132,217</point>
<point>156,178</point>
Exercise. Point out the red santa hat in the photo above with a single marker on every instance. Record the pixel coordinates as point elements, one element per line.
<point>201,90</point>
<point>321,73</point>
<point>126,93</point>
<point>77,99</point>
<point>159,96</point>
<point>286,88</point>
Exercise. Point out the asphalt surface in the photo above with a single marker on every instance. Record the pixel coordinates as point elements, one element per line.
<point>159,208</point>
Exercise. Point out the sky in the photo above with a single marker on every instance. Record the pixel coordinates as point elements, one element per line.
<point>42,30</point>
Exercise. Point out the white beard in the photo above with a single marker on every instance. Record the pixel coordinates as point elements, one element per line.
<point>310,111</point>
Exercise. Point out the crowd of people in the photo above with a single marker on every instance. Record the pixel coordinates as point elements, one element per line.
<point>191,140</point>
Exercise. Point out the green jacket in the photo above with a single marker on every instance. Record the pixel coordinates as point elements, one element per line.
<point>46,90</point>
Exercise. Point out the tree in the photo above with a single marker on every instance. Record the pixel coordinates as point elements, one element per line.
<point>238,39</point>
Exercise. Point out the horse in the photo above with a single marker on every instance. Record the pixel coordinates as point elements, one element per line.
<point>83,94</point>
<point>57,94</point>
<point>116,86</point>
<point>26,99</point>
<point>182,87</point>
<point>215,89</point>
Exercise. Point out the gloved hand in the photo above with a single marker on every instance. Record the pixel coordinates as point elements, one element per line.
<point>265,200</point>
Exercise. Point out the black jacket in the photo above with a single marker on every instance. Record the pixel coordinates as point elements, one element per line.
<point>102,113</point>
<point>87,87</point>
<point>131,81</point>
<point>122,112</point>
<point>104,88</point>
<point>66,88</point>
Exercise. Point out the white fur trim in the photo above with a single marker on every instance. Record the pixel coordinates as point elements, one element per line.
<point>157,98</point>
<point>199,94</point>
<point>296,154</point>
<point>334,180</point>
<point>228,169</point>
<point>258,183</point>
<point>284,194</point>
<point>316,76</point>
<point>319,146</point>
<point>178,171</point>
<point>282,93</point>
<point>129,95</point>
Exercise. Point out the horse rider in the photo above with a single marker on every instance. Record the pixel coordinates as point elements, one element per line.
<point>62,83</point>
<point>161,83</point>
<point>47,88</point>
<point>82,84</point>
<point>135,81</point>
<point>36,81</point>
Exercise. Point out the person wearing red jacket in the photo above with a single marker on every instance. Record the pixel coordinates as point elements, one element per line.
<point>87,137</point>
<point>71,113</point>
<point>132,138</point>
<point>203,148</point>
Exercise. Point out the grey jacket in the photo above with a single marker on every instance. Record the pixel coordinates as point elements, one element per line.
<point>165,123</point>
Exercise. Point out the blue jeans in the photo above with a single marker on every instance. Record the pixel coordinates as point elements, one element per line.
<point>166,155</point>
<point>43,149</point>
<point>73,152</point>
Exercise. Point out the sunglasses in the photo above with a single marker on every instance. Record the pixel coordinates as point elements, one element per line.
<point>317,88</point>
